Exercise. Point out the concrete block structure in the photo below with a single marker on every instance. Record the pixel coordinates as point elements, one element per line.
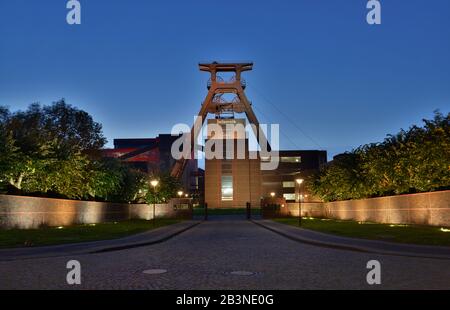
<point>153,156</point>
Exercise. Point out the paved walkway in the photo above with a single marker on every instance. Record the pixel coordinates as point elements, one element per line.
<point>206,256</point>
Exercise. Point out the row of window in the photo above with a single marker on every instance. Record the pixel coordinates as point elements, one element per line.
<point>285,159</point>
<point>227,188</point>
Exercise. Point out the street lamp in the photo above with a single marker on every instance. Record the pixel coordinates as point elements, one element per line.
<point>300,198</point>
<point>180,194</point>
<point>272,194</point>
<point>154,183</point>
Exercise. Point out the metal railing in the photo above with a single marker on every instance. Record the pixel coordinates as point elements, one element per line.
<point>221,81</point>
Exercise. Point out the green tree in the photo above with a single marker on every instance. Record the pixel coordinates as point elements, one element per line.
<point>55,150</point>
<point>45,149</point>
<point>113,180</point>
<point>413,160</point>
<point>134,187</point>
<point>167,188</point>
<point>342,179</point>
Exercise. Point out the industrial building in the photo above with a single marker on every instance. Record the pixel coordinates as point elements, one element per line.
<point>153,156</point>
<point>228,181</point>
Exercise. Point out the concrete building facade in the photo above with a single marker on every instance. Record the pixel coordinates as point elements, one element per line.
<point>290,179</point>
<point>153,156</point>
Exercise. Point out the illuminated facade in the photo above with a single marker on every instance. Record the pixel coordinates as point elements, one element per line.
<point>231,180</point>
<point>294,165</point>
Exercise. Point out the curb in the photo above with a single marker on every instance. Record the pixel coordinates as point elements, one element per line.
<point>141,244</point>
<point>90,247</point>
<point>353,248</point>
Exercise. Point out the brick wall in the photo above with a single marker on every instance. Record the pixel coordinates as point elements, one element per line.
<point>33,212</point>
<point>431,208</point>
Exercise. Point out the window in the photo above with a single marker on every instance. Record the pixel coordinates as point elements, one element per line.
<point>265,159</point>
<point>293,159</point>
<point>288,184</point>
<point>227,166</point>
<point>289,197</point>
<point>227,188</point>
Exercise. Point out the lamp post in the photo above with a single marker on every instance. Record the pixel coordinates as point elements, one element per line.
<point>300,198</point>
<point>273,206</point>
<point>180,194</point>
<point>154,184</point>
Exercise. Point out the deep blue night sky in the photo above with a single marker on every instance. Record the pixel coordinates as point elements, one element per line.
<point>133,64</point>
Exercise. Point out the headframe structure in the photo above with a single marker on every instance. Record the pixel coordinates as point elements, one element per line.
<point>215,104</point>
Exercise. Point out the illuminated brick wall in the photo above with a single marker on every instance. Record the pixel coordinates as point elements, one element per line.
<point>423,209</point>
<point>33,212</point>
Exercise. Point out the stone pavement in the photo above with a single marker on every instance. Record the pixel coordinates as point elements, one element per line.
<point>230,253</point>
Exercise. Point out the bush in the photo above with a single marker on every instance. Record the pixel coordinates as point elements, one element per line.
<point>415,160</point>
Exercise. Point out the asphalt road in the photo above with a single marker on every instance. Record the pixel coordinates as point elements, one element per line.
<point>206,256</point>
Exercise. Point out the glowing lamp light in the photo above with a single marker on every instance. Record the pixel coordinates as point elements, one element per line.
<point>154,183</point>
<point>187,195</point>
<point>299,181</point>
<point>180,193</point>
<point>445,230</point>
<point>60,227</point>
<point>272,194</point>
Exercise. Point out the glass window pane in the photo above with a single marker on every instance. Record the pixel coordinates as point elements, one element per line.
<point>288,184</point>
<point>289,196</point>
<point>294,159</point>
<point>265,159</point>
<point>227,188</point>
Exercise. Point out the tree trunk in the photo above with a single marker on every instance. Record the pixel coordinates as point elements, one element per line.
<point>17,184</point>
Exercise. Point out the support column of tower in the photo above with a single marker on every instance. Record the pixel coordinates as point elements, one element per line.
<point>218,87</point>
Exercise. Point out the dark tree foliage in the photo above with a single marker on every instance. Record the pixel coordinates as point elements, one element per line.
<point>413,160</point>
<point>167,188</point>
<point>48,151</point>
<point>59,128</point>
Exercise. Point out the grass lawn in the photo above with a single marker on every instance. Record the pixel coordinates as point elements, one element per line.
<point>77,233</point>
<point>243,211</point>
<point>415,234</point>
